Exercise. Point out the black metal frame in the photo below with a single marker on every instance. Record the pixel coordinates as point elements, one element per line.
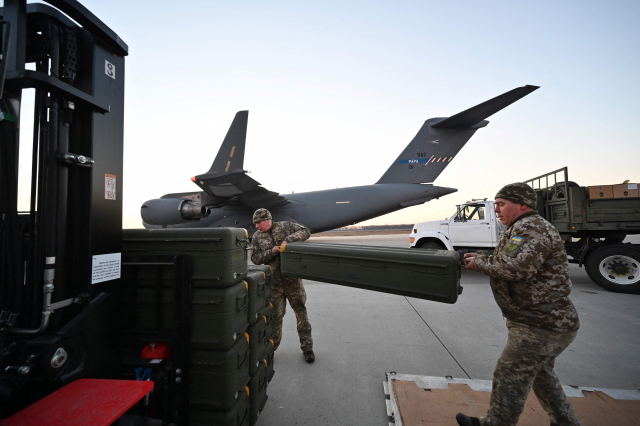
<point>180,336</point>
<point>548,186</point>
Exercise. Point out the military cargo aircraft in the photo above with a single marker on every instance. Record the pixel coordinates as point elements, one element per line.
<point>228,196</point>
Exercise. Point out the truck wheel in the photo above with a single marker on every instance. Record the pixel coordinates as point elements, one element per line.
<point>432,245</point>
<point>615,268</point>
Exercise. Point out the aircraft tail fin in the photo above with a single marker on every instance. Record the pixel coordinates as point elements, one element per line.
<point>440,139</point>
<point>230,156</point>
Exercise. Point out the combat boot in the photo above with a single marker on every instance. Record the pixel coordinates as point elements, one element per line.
<point>466,420</point>
<point>309,356</point>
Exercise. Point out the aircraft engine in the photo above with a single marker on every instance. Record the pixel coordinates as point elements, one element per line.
<point>170,211</point>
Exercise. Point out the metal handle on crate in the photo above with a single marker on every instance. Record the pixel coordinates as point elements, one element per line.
<point>244,301</point>
<point>245,244</point>
<point>246,356</point>
<point>243,416</point>
<point>262,384</point>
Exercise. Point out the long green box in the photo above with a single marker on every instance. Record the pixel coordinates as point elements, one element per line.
<point>258,393</point>
<point>238,415</point>
<point>424,274</point>
<point>219,255</point>
<point>218,377</point>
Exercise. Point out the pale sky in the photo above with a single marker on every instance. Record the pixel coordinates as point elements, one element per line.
<point>337,89</point>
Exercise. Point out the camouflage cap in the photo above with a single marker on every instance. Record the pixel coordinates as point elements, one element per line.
<point>519,193</point>
<point>260,215</point>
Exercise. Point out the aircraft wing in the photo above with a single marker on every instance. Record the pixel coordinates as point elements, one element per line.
<point>227,178</point>
<point>241,187</point>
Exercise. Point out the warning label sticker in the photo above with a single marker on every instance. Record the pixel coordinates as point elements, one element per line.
<point>105,267</point>
<point>109,187</point>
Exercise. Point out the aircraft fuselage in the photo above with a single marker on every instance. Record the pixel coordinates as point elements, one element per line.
<point>328,209</point>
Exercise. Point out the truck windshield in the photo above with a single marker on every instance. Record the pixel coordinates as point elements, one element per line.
<point>470,212</point>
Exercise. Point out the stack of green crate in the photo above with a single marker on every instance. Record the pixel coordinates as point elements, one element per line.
<point>268,318</point>
<point>260,332</point>
<point>220,355</point>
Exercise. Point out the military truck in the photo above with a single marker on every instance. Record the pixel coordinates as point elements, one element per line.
<point>593,228</point>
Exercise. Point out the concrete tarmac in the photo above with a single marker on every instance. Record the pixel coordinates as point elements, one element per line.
<point>359,335</point>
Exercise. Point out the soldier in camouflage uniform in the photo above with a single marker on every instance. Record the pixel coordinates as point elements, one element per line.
<point>267,241</point>
<point>530,281</point>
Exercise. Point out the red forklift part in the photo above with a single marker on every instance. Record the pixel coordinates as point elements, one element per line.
<point>95,402</point>
<point>157,351</point>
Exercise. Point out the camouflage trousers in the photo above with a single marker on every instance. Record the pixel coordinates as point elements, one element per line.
<point>291,289</point>
<point>527,362</point>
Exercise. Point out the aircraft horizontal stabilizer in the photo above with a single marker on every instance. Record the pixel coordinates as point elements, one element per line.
<point>227,179</point>
<point>476,114</point>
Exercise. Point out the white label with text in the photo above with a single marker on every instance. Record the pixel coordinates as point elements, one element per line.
<point>105,267</point>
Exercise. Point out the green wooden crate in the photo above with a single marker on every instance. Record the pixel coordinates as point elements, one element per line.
<point>221,362</point>
<point>266,270</point>
<point>258,393</point>
<point>259,337</point>
<point>219,255</point>
<point>238,415</point>
<point>218,377</point>
<point>257,292</point>
<point>219,315</point>
<point>218,330</point>
<point>271,354</point>
<point>213,300</point>
<point>425,274</point>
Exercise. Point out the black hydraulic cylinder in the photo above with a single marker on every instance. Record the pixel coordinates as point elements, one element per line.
<point>51,188</point>
<point>62,199</point>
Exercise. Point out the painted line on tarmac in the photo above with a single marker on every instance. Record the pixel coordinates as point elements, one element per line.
<point>434,333</point>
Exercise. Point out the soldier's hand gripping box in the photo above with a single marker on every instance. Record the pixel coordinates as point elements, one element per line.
<point>425,274</point>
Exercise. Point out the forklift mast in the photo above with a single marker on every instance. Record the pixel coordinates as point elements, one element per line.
<point>60,261</point>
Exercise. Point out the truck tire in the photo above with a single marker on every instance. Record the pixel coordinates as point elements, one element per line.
<point>432,245</point>
<point>615,268</point>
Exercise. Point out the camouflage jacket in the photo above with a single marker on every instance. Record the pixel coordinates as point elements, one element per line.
<point>530,275</point>
<point>279,232</point>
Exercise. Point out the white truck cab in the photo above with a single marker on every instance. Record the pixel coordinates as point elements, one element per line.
<point>473,225</point>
